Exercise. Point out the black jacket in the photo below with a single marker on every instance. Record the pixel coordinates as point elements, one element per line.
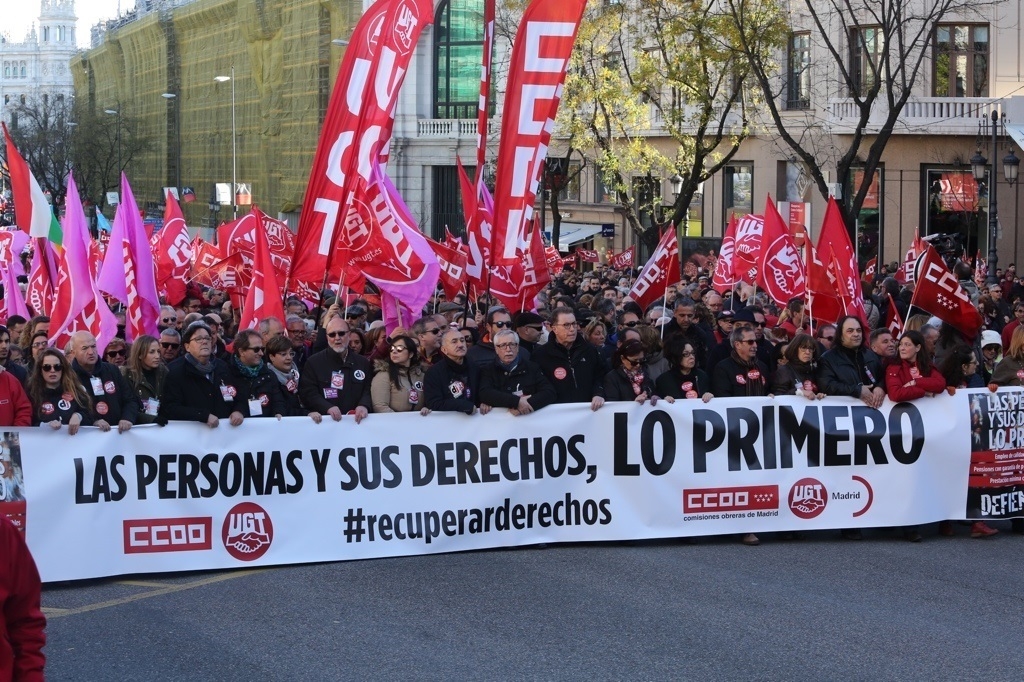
<point>330,380</point>
<point>147,389</point>
<point>842,371</point>
<point>446,387</point>
<point>577,372</point>
<point>502,388</point>
<point>290,393</point>
<point>792,375</point>
<point>263,387</point>
<point>113,398</point>
<point>734,378</point>
<point>190,395</point>
<point>701,339</point>
<point>56,405</point>
<point>675,384</point>
<point>19,372</point>
<point>618,386</point>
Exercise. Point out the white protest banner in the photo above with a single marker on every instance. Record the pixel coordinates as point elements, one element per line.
<point>187,497</point>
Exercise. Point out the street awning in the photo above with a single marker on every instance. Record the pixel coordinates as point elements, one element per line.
<point>573,233</point>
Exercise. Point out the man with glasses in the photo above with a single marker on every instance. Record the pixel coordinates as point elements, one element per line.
<point>198,386</point>
<point>258,390</point>
<point>826,336</point>
<point>16,370</point>
<point>512,381</point>
<point>482,353</point>
<point>335,381</point>
<point>573,366</point>
<point>529,326</point>
<point>168,318</point>
<point>428,336</point>
<point>114,400</point>
<point>170,345</point>
<point>356,317</point>
<point>447,386</point>
<point>298,334</point>
<point>741,374</point>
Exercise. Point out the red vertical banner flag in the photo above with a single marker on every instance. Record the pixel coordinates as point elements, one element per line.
<point>723,278</point>
<point>938,292</point>
<point>827,276</point>
<point>535,268</point>
<point>624,260</point>
<point>906,272</point>
<point>780,271</point>
<point>263,298</point>
<point>355,136</point>
<point>453,267</point>
<point>893,321</point>
<point>483,113</point>
<point>540,57</point>
<point>661,271</point>
<point>172,252</point>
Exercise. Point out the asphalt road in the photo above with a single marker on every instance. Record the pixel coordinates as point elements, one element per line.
<point>814,609</point>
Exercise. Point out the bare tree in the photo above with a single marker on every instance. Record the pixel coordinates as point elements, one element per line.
<point>871,51</point>
<point>42,129</point>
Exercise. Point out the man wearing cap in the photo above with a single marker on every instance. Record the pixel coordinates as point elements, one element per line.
<point>449,310</point>
<point>723,325</point>
<point>529,326</point>
<point>336,381</point>
<point>356,317</point>
<point>991,353</point>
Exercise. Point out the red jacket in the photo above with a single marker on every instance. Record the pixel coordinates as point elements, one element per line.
<point>15,407</point>
<point>898,374</point>
<point>22,623</point>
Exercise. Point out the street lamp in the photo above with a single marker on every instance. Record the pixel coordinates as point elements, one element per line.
<point>676,183</point>
<point>979,166</point>
<point>234,148</point>
<point>177,134</point>
<point>117,112</point>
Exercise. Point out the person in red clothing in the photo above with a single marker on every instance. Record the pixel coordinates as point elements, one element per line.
<point>1018,318</point>
<point>22,623</point>
<point>912,376</point>
<point>15,407</point>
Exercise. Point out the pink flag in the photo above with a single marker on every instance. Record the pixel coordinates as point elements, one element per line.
<point>12,243</point>
<point>14,301</point>
<point>128,272</point>
<point>78,305</point>
<point>43,276</point>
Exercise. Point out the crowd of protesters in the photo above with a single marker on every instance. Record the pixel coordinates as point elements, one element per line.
<point>585,342</point>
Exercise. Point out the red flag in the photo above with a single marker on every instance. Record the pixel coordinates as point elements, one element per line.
<point>535,268</point>
<point>747,248</point>
<point>906,272</point>
<point>826,275</point>
<point>540,57</point>
<point>893,321</point>
<point>239,236</point>
<point>554,260</point>
<point>172,253</point>
<point>483,110</point>
<point>848,288</point>
<point>938,292</point>
<point>822,287</point>
<point>42,278</point>
<point>356,133</point>
<point>263,299</point>
<point>660,272</point>
<point>780,272</point>
<point>588,255</point>
<point>624,260</point>
<point>453,268</point>
<point>454,242</point>
<point>869,270</point>
<point>724,278</point>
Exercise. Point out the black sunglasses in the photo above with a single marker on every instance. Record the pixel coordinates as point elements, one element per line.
<point>52,368</point>
<point>123,352</point>
<point>334,335</point>
<point>170,346</point>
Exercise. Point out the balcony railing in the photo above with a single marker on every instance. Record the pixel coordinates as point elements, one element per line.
<point>448,128</point>
<point>932,115</point>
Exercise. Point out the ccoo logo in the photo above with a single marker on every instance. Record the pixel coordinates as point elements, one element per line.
<point>807,498</point>
<point>247,531</point>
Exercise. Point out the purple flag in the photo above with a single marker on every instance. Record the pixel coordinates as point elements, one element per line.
<point>14,300</point>
<point>129,273</point>
<point>413,294</point>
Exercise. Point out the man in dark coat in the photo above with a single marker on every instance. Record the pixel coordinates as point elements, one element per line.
<point>114,400</point>
<point>511,381</point>
<point>447,386</point>
<point>572,364</point>
<point>335,381</point>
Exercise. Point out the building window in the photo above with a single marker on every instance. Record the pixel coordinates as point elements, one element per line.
<point>867,51</point>
<point>60,34</point>
<point>458,51</point>
<point>22,98</point>
<point>869,227</point>
<point>961,61</point>
<point>603,194</point>
<point>7,70</point>
<point>46,34</point>
<point>955,203</point>
<point>447,201</point>
<point>799,86</point>
<point>23,69</point>
<point>738,191</point>
<point>46,99</point>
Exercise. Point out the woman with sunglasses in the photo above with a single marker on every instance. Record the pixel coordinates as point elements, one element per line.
<point>146,373</point>
<point>57,396</point>
<point>116,352</point>
<point>629,379</point>
<point>683,380</point>
<point>398,384</point>
<point>259,391</point>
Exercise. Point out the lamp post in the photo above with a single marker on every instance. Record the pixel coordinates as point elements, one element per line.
<point>234,147</point>
<point>676,182</point>
<point>177,135</point>
<point>214,210</point>
<point>979,166</point>
<point>117,112</point>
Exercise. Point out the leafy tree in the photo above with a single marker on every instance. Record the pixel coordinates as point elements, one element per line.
<point>658,88</point>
